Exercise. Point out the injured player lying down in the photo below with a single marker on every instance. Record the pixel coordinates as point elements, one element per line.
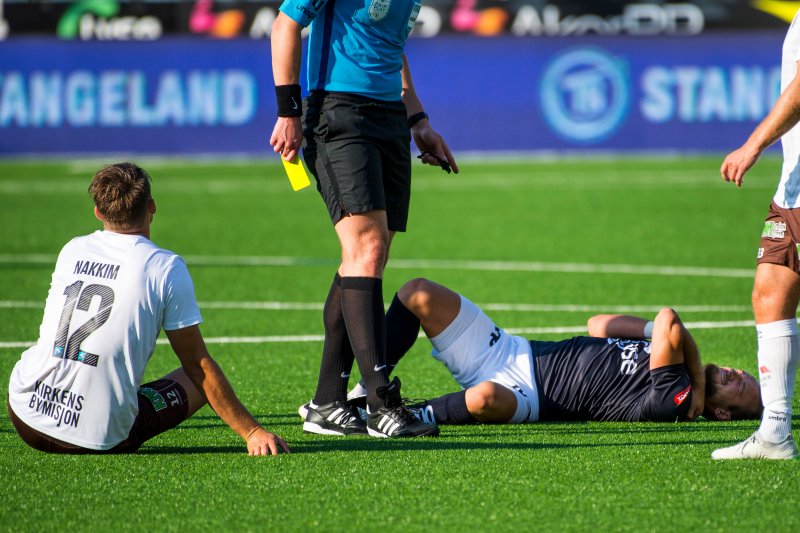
<point>627,369</point>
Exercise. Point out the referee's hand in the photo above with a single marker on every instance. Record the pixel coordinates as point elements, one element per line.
<point>427,140</point>
<point>287,137</point>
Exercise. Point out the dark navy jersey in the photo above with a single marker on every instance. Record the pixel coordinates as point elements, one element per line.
<point>591,378</point>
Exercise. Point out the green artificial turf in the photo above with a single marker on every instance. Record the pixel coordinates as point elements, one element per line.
<point>527,232</point>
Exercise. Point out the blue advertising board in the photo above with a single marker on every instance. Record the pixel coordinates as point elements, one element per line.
<point>181,96</point>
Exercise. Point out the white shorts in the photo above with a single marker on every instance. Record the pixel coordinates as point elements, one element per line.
<point>475,350</point>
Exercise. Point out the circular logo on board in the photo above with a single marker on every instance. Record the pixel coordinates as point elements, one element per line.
<point>585,94</point>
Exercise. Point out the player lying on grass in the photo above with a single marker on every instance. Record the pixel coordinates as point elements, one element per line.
<point>79,388</point>
<point>614,374</point>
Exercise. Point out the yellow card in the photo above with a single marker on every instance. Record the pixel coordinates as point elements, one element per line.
<point>296,171</point>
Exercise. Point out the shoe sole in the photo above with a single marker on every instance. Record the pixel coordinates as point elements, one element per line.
<point>374,433</point>
<point>310,427</point>
<point>763,456</point>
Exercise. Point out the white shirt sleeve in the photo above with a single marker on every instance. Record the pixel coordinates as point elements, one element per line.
<point>180,305</point>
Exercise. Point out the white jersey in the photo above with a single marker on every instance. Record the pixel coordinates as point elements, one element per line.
<point>109,297</point>
<point>788,194</point>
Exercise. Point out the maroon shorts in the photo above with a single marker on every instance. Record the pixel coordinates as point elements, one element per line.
<point>163,404</point>
<point>780,238</point>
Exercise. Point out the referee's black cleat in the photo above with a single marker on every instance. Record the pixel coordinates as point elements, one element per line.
<point>394,419</point>
<point>336,418</point>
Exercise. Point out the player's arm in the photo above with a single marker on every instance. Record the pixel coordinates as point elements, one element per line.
<point>784,115</point>
<point>617,326</point>
<point>210,381</point>
<point>672,344</point>
<point>433,147</point>
<point>286,53</point>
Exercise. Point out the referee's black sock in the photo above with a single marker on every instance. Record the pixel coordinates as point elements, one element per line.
<point>362,307</point>
<point>452,409</point>
<point>402,328</point>
<point>337,355</point>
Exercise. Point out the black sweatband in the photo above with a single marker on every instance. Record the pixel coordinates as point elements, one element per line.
<point>290,103</point>
<point>416,117</point>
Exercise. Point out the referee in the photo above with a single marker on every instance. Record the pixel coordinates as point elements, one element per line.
<point>359,118</point>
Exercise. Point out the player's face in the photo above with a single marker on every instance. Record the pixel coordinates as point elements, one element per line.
<point>736,389</point>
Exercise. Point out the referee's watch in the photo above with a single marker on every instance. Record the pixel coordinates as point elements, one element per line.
<point>416,117</point>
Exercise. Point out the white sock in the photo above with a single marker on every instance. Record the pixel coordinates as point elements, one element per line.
<point>357,391</point>
<point>778,353</point>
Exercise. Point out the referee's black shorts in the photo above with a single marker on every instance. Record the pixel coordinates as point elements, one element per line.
<point>358,149</point>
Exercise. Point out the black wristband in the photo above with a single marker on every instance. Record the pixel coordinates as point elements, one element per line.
<point>290,103</point>
<point>416,117</point>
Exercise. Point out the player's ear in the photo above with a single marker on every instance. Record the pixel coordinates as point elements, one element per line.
<point>151,206</point>
<point>722,414</point>
<point>97,214</point>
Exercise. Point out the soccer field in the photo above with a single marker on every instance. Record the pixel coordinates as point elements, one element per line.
<point>541,245</point>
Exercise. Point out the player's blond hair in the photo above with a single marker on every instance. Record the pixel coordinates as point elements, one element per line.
<point>120,192</point>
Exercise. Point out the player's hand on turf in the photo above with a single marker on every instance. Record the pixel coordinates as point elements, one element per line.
<point>262,442</point>
<point>738,163</point>
<point>427,140</point>
<point>287,135</point>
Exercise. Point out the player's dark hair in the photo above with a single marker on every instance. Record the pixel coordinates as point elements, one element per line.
<point>737,413</point>
<point>120,192</point>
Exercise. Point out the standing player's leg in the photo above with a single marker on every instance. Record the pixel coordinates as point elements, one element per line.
<point>364,239</point>
<point>365,243</point>
<point>329,413</point>
<point>775,298</point>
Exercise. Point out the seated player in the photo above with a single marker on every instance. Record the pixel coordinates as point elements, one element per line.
<point>79,388</point>
<point>614,374</point>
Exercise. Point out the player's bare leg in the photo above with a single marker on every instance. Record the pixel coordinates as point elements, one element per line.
<point>436,306</point>
<point>194,399</point>
<point>775,297</point>
<point>491,403</point>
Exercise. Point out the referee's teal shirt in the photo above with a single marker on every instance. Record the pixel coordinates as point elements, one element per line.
<point>355,46</point>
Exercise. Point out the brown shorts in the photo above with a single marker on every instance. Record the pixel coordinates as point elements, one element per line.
<point>780,238</point>
<point>163,404</point>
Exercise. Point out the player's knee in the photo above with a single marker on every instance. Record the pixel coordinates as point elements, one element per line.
<point>416,295</point>
<point>370,250</point>
<point>762,296</point>
<point>484,400</point>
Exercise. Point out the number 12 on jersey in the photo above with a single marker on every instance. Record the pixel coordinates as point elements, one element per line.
<point>68,346</point>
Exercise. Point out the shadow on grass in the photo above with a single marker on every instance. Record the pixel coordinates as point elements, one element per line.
<point>472,441</point>
<point>362,444</point>
<point>212,421</point>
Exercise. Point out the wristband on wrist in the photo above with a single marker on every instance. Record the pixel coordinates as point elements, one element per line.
<point>290,103</point>
<point>252,432</point>
<point>416,117</point>
<point>648,329</point>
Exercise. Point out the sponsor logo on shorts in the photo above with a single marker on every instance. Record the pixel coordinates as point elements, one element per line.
<point>682,395</point>
<point>494,336</point>
<point>154,397</point>
<point>774,230</point>
<point>760,253</point>
<point>763,369</point>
